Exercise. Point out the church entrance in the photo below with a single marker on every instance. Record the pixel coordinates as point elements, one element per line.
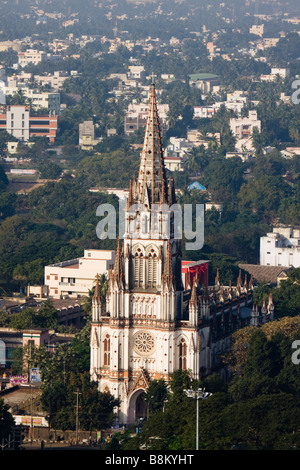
<point>137,406</point>
<point>140,407</point>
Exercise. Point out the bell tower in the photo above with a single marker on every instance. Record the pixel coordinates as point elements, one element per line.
<point>145,296</point>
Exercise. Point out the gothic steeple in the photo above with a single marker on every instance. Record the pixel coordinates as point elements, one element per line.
<point>96,302</point>
<point>151,184</point>
<point>168,277</point>
<point>118,272</point>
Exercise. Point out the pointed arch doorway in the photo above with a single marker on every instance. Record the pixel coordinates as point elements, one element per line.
<point>137,406</point>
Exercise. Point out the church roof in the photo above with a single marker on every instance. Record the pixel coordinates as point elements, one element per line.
<point>263,273</point>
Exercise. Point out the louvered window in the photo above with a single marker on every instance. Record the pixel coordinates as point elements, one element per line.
<point>106,351</point>
<point>138,268</point>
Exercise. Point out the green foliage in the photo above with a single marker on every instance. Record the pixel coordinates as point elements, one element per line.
<point>50,170</point>
<point>109,170</point>
<point>156,395</point>
<point>46,317</point>
<point>287,296</point>
<point>6,420</point>
<point>258,409</point>
<point>95,409</point>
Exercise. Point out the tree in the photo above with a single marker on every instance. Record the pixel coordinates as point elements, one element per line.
<point>156,395</point>
<point>6,420</point>
<point>287,296</point>
<point>96,408</point>
<point>50,170</point>
<point>53,399</point>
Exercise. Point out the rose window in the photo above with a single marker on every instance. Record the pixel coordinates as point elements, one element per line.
<point>143,343</point>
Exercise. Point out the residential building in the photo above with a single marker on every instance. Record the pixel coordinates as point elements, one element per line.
<point>14,45</point>
<point>37,100</point>
<point>87,140</point>
<point>19,122</point>
<point>204,112</point>
<point>56,80</point>
<point>34,57</point>
<point>204,81</point>
<point>75,278</point>
<point>155,322</point>
<point>242,128</point>
<point>257,29</point>
<point>136,116</point>
<point>281,247</point>
<point>31,56</point>
<point>136,72</point>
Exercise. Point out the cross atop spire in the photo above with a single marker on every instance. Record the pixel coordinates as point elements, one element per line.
<point>152,181</point>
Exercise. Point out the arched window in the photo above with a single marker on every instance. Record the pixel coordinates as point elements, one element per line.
<point>138,268</point>
<point>152,269</point>
<point>106,351</point>
<point>182,355</point>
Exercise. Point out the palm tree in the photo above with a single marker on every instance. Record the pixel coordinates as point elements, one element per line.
<point>294,134</point>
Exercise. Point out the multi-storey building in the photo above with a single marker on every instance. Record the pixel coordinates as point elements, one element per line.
<point>34,57</point>
<point>154,324</point>
<point>75,278</point>
<point>18,122</point>
<point>37,100</point>
<point>242,128</point>
<point>281,247</point>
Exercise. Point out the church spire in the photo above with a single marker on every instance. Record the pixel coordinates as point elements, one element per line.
<point>194,297</point>
<point>152,175</point>
<point>97,289</point>
<point>96,302</point>
<point>168,274</point>
<point>118,272</point>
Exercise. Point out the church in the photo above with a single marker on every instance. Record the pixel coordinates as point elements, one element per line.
<point>154,323</point>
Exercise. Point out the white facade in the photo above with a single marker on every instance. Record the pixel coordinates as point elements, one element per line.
<point>31,56</point>
<point>34,57</point>
<point>17,122</point>
<point>243,128</point>
<point>281,247</point>
<point>50,101</point>
<point>74,278</point>
<point>136,72</point>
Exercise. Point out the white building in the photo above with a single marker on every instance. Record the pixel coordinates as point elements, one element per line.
<point>136,72</point>
<point>242,128</point>
<point>31,56</point>
<point>74,278</point>
<point>281,247</point>
<point>37,100</point>
<point>257,29</point>
<point>136,115</point>
<point>34,57</point>
<point>56,80</point>
<point>204,112</point>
